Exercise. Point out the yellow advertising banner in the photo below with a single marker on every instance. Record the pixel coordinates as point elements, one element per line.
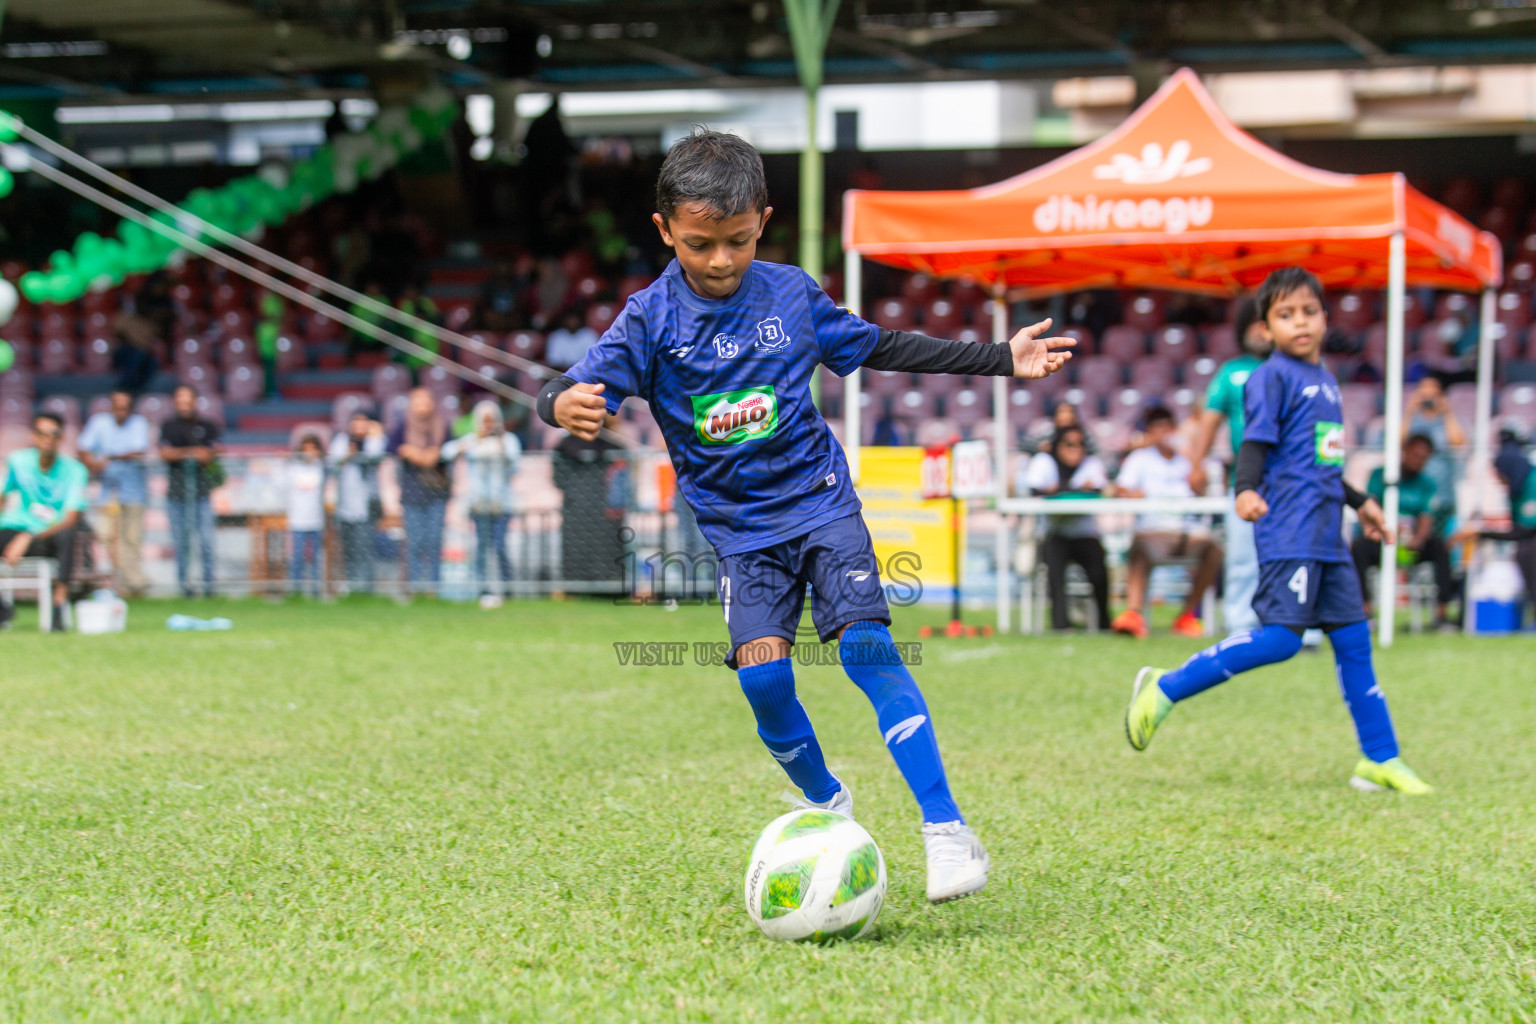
<point>912,535</point>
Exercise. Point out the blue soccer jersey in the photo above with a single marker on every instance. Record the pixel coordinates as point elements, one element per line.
<point>729,383</point>
<point>1295,407</point>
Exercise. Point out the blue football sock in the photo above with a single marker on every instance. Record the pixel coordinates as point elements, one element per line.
<point>785,728</point>
<point>871,659</point>
<point>1357,680</point>
<point>1238,653</point>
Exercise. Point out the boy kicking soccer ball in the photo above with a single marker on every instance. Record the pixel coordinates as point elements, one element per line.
<point>723,347</point>
<point>1290,484</point>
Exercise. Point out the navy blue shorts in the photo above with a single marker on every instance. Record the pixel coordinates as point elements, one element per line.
<point>1306,593</point>
<point>763,592</point>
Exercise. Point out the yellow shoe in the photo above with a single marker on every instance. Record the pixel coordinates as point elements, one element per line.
<point>1149,706</point>
<point>1372,777</point>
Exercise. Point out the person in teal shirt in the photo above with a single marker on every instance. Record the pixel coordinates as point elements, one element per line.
<point>1424,512</point>
<point>1224,401</point>
<point>40,505</point>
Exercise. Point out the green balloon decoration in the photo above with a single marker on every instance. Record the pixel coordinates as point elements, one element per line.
<point>7,355</point>
<point>240,207</point>
<point>7,181</point>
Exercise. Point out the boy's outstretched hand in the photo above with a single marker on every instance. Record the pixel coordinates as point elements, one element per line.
<point>1373,522</point>
<point>1035,357</point>
<point>581,409</point>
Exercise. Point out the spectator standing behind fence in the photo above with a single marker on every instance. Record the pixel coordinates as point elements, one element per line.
<point>492,455</point>
<point>418,441</point>
<point>1158,470</point>
<point>304,479</point>
<point>1423,509</point>
<point>41,500</point>
<point>189,447</point>
<point>113,445</point>
<point>1067,470</point>
<point>1514,469</point>
<point>570,341</point>
<point>355,455</point>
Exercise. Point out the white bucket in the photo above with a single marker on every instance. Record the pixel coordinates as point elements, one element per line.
<point>109,616</point>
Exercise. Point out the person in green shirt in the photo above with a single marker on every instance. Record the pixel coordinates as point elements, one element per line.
<point>413,302</point>
<point>370,310</point>
<point>1423,511</point>
<point>1224,401</point>
<point>40,505</point>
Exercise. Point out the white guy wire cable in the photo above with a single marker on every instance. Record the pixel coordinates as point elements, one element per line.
<point>186,218</point>
<point>303,298</point>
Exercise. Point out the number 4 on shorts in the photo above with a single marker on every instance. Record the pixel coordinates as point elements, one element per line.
<point>1298,584</point>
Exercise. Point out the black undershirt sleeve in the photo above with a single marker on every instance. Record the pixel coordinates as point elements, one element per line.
<point>547,396</point>
<point>918,353</point>
<point>1353,498</point>
<point>1250,466</point>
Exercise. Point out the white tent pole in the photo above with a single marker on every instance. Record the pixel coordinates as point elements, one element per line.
<point>1482,430</point>
<point>1386,604</point>
<point>853,296</point>
<point>1000,449</point>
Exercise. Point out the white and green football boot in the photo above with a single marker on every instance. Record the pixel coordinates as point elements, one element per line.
<point>1373,777</point>
<point>1148,707</point>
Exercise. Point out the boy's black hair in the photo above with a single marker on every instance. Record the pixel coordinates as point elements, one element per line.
<point>310,438</point>
<point>709,168</point>
<point>51,417</point>
<point>1281,283</point>
<point>1156,414</point>
<point>1423,439</point>
<point>1246,315</point>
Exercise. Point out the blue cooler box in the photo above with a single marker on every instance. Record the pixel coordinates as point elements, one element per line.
<point>1498,617</point>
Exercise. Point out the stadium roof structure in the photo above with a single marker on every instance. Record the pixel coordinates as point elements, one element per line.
<point>1177,197</point>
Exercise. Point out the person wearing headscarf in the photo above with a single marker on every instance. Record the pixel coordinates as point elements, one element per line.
<point>492,455</point>
<point>1067,470</point>
<point>417,441</point>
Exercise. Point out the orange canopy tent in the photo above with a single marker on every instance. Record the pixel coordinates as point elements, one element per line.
<point>1180,198</point>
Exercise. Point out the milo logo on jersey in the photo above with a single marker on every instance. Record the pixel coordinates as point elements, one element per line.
<point>1330,443</point>
<point>732,417</point>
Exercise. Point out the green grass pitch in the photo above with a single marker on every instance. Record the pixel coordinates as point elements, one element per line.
<point>363,812</point>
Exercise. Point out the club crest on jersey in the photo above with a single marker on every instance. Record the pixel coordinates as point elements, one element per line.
<point>733,417</point>
<point>771,336</point>
<point>726,347</point>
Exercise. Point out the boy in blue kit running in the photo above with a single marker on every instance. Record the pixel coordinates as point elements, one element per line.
<point>723,347</point>
<point>1290,484</point>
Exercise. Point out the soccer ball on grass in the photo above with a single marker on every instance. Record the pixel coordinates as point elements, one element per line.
<point>815,875</point>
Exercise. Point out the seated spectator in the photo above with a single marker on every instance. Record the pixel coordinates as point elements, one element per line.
<point>1158,470</point>
<point>354,458</point>
<point>370,310</point>
<point>113,445</point>
<point>42,497</point>
<point>414,302</point>
<point>134,355</point>
<point>1430,415</point>
<point>1068,470</point>
<point>569,342</point>
<point>503,297</point>
<point>492,455</point>
<point>1423,510</point>
<point>304,478</point>
<point>1514,469</point>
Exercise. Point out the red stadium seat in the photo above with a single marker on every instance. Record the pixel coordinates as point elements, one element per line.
<point>1509,192</point>
<point>440,382</point>
<point>67,408</point>
<point>1152,377</point>
<point>211,407</point>
<point>1522,275</point>
<point>97,356</point>
<point>1146,312</point>
<point>1127,405</point>
<point>1501,222</point>
<point>601,315</point>
<point>237,321</point>
<point>192,350</point>
<point>1198,374</point>
<point>1513,310</point>
<point>1414,313</point>
<point>243,384</point>
<point>1518,401</point>
<point>941,319</point>
<point>15,411</point>
<point>318,328</point>
<point>894,314</point>
<point>55,357</point>
<point>527,344</point>
<point>17,382</point>
<point>1085,346</point>
<point>1220,342</point>
<point>155,408</point>
<point>1353,312</point>
<point>238,350</point>
<point>56,323</point>
<point>1360,403</point>
<point>1174,343</point>
<point>630,285</point>
<point>1455,304</point>
<point>588,287</point>
<point>1123,342</point>
<point>291,354</point>
<point>1462,195</point>
<point>914,404</point>
<point>918,289</point>
<point>200,375</point>
<point>1098,374</point>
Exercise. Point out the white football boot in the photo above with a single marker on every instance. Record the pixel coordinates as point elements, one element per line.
<point>841,802</point>
<point>957,864</point>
